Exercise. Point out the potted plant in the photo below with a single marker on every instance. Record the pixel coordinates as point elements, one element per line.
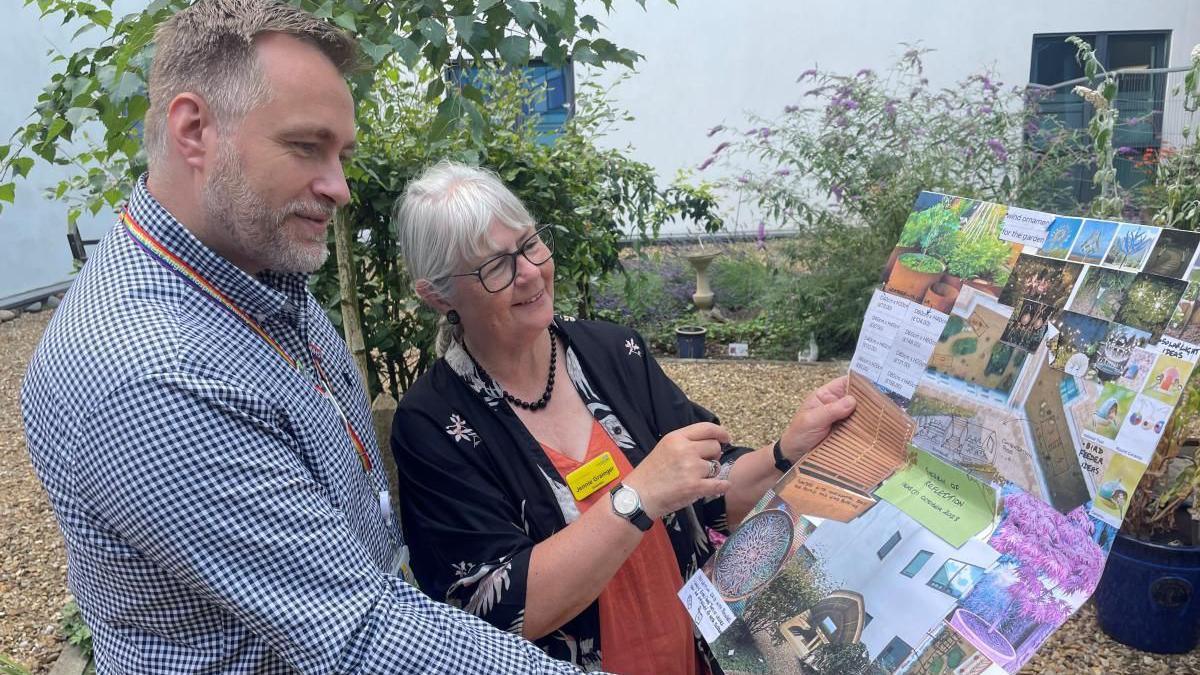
<point>689,341</point>
<point>941,296</point>
<point>913,274</point>
<point>925,231</point>
<point>981,261</point>
<point>1147,596</point>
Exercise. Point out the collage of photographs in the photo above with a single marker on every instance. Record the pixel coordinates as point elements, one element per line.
<point>985,492</point>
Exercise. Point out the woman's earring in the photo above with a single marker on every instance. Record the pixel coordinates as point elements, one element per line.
<point>453,317</point>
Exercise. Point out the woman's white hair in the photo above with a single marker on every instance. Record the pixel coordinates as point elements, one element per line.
<point>443,222</point>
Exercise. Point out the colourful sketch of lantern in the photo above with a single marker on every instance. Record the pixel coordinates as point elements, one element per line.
<point>1168,378</point>
<point>1105,411</point>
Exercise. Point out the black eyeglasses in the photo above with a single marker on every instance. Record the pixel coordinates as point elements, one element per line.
<point>498,272</point>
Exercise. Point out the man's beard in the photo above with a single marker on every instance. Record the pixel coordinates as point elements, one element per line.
<point>255,229</point>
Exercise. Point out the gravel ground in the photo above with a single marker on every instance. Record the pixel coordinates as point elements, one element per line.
<point>753,399</point>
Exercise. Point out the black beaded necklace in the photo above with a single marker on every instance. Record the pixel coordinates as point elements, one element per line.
<point>545,399</point>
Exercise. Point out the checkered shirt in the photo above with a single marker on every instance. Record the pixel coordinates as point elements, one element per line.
<point>216,516</point>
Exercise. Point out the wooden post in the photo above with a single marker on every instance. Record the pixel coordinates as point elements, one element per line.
<point>343,240</point>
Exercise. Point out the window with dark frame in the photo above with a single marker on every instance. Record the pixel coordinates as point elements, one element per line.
<point>555,103</point>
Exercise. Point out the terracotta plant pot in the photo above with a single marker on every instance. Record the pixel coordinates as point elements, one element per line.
<point>953,281</point>
<point>941,296</point>
<point>891,261</point>
<point>911,283</point>
<point>985,286</point>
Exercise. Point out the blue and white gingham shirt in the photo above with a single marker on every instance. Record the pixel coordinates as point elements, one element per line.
<point>215,513</point>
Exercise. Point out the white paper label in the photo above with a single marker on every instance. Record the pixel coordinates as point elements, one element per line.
<point>1026,227</point>
<point>896,341</point>
<point>704,603</point>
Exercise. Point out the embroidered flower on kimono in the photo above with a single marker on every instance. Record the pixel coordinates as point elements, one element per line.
<point>460,431</point>
<point>633,347</point>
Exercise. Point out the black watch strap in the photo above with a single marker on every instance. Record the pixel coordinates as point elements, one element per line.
<point>782,463</point>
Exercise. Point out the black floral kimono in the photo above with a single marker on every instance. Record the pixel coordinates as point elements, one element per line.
<point>478,492</point>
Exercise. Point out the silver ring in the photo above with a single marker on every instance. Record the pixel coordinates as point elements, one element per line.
<point>714,468</point>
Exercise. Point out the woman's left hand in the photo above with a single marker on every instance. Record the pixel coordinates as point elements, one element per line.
<point>811,423</point>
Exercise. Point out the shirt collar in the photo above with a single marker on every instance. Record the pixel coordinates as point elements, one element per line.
<point>263,296</point>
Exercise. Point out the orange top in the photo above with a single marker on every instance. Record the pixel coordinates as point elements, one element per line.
<point>643,625</point>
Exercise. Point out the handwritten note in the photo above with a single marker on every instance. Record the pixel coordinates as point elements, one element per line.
<point>952,504</point>
<point>702,600</point>
<point>896,341</point>
<point>1026,227</point>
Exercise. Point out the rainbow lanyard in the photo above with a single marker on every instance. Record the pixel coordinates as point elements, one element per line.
<point>156,250</point>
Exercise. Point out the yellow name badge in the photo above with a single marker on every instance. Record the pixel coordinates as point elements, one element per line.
<point>592,476</point>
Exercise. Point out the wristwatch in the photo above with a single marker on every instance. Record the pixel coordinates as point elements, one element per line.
<point>627,504</point>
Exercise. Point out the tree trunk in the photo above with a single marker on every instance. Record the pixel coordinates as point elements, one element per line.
<point>343,240</point>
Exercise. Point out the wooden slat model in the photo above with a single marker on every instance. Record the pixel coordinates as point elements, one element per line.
<point>835,479</point>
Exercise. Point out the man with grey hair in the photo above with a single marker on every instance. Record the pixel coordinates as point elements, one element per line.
<point>196,420</point>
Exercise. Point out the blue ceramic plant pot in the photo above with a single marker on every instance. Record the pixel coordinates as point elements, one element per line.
<point>1147,596</point>
<point>689,341</point>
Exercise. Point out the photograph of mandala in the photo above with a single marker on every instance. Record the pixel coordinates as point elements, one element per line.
<point>1185,320</point>
<point>1150,302</point>
<point>1113,355</point>
<point>1101,292</point>
<point>1173,253</point>
<point>1093,241</point>
<point>1131,247</point>
<point>752,556</point>
<point>1027,326</point>
<point>1079,337</point>
<point>1049,564</point>
<point>1043,280</point>
<point>1059,237</point>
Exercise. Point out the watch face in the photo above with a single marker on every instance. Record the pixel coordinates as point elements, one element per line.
<point>625,501</point>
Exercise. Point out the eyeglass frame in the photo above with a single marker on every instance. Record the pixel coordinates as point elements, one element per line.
<point>537,234</point>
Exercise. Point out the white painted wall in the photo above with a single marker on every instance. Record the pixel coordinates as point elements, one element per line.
<point>707,62</point>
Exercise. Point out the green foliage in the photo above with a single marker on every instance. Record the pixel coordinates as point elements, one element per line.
<point>794,590</point>
<point>981,257</point>
<point>106,85</point>
<point>1174,194</point>
<point>964,346</point>
<point>954,326</point>
<point>76,632</point>
<point>1102,97</point>
<point>840,658</point>
<point>743,279</point>
<point>9,666</point>
<point>845,166</point>
<point>919,262</point>
<point>932,229</point>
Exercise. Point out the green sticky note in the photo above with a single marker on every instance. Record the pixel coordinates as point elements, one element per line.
<point>952,504</point>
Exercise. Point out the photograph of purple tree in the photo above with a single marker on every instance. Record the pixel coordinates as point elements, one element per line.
<point>1049,564</point>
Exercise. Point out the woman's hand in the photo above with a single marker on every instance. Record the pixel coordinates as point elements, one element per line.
<point>678,470</point>
<point>811,423</point>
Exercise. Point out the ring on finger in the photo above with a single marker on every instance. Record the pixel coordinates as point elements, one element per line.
<point>714,468</point>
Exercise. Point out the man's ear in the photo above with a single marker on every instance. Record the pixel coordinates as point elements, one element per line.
<point>191,129</point>
<point>430,296</point>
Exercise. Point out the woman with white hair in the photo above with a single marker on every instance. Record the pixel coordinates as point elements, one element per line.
<point>554,481</point>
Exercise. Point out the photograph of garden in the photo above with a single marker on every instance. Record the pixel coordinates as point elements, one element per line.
<point>1185,320</point>
<point>1102,292</point>
<point>1093,241</point>
<point>971,350</point>
<point>1150,302</point>
<point>1172,255</point>
<point>1079,337</point>
<point>1043,280</point>
<point>946,244</point>
<point>1049,564</point>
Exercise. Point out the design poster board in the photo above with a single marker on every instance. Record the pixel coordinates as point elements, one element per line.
<point>1014,373</point>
